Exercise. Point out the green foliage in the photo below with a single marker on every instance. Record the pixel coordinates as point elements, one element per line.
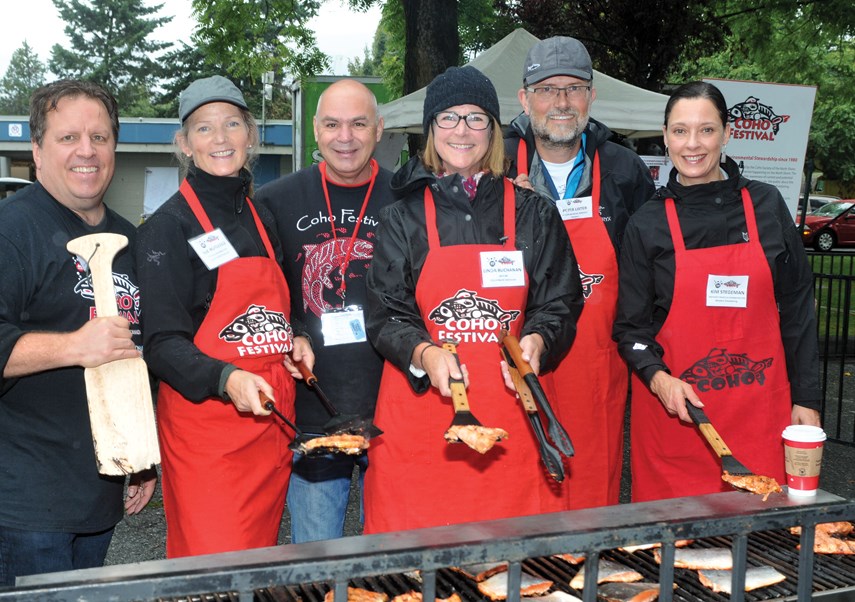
<point>795,43</point>
<point>253,36</point>
<point>109,44</point>
<point>26,72</point>
<point>480,27</point>
<point>637,42</point>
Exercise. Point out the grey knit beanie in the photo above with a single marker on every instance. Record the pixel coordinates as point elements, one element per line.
<point>460,86</point>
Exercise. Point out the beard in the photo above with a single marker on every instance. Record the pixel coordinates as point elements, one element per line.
<point>558,137</point>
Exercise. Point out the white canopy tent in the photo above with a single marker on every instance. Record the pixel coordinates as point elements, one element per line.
<point>624,108</point>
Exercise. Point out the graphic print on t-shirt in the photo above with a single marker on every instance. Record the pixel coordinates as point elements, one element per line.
<point>127,293</point>
<point>322,269</point>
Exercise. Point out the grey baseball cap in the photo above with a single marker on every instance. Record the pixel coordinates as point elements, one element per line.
<point>210,89</point>
<point>559,55</point>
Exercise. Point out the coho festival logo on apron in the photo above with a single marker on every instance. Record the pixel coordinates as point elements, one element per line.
<point>720,370</point>
<point>259,332</point>
<point>470,318</point>
<point>589,281</point>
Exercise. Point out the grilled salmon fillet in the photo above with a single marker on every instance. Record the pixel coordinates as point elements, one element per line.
<point>836,528</point>
<point>480,438</point>
<point>357,594</point>
<point>608,571</point>
<point>496,587</point>
<point>755,578</point>
<point>480,572</point>
<point>754,483</point>
<point>571,558</point>
<point>700,558</point>
<point>340,443</point>
<point>556,596</point>
<point>417,597</point>
<point>629,592</point>
<point>680,543</point>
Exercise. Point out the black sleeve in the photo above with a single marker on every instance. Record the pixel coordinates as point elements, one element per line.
<point>167,292</point>
<point>393,321</point>
<point>634,328</point>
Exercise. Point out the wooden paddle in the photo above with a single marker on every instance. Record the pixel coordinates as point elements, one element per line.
<point>120,408</point>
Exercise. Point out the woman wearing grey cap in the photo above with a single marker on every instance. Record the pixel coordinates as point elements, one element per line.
<point>216,315</point>
<point>462,255</point>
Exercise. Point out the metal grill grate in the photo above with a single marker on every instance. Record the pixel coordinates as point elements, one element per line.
<point>753,529</point>
<point>772,548</point>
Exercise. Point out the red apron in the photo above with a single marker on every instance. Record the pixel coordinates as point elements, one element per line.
<point>225,473</point>
<point>590,383</point>
<point>732,356</point>
<point>416,478</point>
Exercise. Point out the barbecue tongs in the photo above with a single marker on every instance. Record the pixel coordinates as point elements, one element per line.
<point>532,395</point>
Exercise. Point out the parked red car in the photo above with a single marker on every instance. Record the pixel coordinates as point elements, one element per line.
<point>830,226</point>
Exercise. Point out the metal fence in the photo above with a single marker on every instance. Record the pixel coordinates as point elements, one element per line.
<point>834,281</point>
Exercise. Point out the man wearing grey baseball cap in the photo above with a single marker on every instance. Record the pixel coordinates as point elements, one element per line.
<point>559,151</point>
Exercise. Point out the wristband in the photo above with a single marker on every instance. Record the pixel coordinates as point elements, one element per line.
<point>422,354</point>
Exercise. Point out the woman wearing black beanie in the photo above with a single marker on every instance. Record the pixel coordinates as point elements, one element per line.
<point>462,255</point>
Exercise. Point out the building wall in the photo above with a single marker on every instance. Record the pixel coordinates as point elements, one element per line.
<point>125,195</point>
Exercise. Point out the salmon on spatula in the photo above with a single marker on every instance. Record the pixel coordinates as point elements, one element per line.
<point>464,426</point>
<point>734,472</point>
<point>119,393</point>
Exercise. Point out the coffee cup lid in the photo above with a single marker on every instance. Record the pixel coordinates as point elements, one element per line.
<point>803,432</point>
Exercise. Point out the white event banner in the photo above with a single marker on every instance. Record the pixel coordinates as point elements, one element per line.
<point>769,127</point>
<point>660,168</point>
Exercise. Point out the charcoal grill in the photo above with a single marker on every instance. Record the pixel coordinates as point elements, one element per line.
<point>756,532</point>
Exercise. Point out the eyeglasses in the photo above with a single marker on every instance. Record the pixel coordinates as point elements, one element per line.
<point>552,91</point>
<point>448,120</point>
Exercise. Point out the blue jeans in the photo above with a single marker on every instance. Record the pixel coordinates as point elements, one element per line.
<point>25,552</point>
<point>318,508</point>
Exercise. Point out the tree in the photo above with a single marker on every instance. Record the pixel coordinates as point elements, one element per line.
<point>638,42</point>
<point>26,72</point>
<point>809,44</point>
<point>109,44</point>
<point>254,36</point>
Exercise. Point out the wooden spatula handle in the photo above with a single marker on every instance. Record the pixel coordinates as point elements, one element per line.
<point>98,250</point>
<point>457,386</point>
<point>708,430</point>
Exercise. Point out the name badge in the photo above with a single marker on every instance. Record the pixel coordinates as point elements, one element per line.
<point>340,327</point>
<point>213,248</point>
<point>502,268</point>
<point>727,291</point>
<point>578,208</point>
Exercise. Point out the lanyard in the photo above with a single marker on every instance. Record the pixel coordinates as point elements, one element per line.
<point>374,170</point>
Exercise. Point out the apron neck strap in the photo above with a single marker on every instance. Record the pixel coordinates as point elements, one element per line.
<point>196,207</point>
<point>522,158</point>
<point>508,216</point>
<point>677,232</point>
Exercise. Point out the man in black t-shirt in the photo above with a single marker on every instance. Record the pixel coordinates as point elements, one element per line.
<point>57,512</point>
<point>326,217</point>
